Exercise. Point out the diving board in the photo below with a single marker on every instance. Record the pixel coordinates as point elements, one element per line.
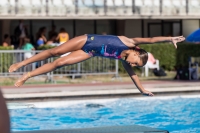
<point>110,129</point>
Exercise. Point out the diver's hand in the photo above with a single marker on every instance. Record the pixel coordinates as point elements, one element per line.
<point>147,93</point>
<point>177,39</point>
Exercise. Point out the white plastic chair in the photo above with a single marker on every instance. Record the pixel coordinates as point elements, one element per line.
<point>12,7</point>
<point>179,7</point>
<point>120,8</point>
<point>167,7</point>
<point>152,66</point>
<point>128,7</point>
<point>3,7</point>
<point>38,7</point>
<point>138,6</point>
<point>194,6</point>
<point>111,10</point>
<point>56,7</point>
<point>70,7</point>
<point>156,7</point>
<point>86,7</point>
<point>24,7</point>
<point>146,9</point>
<point>99,4</point>
<point>35,5</point>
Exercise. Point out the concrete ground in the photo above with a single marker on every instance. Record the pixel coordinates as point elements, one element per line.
<point>109,89</point>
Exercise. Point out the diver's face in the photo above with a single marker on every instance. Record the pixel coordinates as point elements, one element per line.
<point>133,59</point>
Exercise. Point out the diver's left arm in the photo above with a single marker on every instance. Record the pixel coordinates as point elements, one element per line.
<point>135,79</point>
<point>174,40</point>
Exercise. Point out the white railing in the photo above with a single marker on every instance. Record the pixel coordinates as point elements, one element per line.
<point>77,8</point>
<point>93,66</point>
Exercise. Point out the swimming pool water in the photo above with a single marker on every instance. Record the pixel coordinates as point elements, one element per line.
<point>177,115</point>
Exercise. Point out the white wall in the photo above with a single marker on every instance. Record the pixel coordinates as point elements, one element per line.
<point>189,26</point>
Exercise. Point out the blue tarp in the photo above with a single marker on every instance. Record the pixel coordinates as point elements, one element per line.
<point>194,37</point>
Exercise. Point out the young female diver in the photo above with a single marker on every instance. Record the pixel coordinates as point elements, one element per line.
<point>86,46</point>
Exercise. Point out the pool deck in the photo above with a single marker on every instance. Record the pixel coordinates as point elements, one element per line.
<point>158,87</point>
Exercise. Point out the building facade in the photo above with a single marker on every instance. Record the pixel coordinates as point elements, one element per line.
<point>132,18</point>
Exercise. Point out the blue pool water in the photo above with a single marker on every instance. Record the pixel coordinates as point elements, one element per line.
<point>177,115</point>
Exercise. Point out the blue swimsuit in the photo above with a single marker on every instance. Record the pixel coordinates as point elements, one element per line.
<point>104,45</point>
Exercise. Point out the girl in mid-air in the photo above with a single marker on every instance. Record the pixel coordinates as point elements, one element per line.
<point>90,45</point>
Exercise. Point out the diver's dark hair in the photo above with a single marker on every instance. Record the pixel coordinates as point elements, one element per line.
<point>143,55</point>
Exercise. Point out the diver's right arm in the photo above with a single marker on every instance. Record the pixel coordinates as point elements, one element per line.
<point>135,79</point>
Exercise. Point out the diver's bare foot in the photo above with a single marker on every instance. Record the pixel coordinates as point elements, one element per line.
<point>22,80</point>
<point>14,67</point>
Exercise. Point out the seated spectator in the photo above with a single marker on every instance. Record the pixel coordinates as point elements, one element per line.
<point>63,36</point>
<point>6,41</point>
<point>41,39</point>
<point>52,41</point>
<point>52,32</point>
<point>28,47</point>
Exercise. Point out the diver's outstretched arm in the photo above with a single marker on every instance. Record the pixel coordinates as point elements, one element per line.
<point>4,116</point>
<point>174,40</point>
<point>135,79</point>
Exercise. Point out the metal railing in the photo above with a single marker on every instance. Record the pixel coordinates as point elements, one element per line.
<point>77,8</point>
<point>92,66</point>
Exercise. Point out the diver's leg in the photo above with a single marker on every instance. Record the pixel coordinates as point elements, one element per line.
<point>72,45</point>
<point>72,58</point>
